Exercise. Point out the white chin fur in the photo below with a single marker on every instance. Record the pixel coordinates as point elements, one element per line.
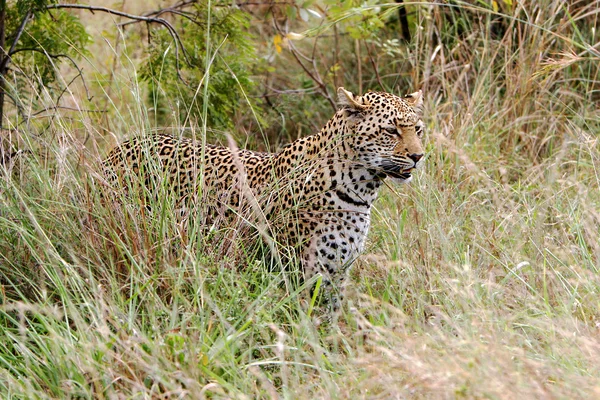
<point>401,181</point>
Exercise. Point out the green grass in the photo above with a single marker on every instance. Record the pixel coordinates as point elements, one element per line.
<point>480,278</point>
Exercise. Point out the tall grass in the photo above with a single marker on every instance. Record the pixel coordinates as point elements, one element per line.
<point>480,280</point>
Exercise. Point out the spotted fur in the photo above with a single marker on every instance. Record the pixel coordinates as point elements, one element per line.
<point>316,193</point>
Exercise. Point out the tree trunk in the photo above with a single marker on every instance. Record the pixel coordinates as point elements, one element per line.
<point>402,16</point>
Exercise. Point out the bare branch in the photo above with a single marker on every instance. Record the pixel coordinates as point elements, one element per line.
<point>107,10</point>
<point>315,76</point>
<point>175,9</point>
<point>375,69</point>
<point>358,64</point>
<point>160,21</point>
<point>49,55</point>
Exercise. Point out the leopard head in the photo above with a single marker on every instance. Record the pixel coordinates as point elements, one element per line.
<point>384,131</point>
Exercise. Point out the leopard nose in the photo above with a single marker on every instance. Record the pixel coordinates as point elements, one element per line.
<point>415,157</point>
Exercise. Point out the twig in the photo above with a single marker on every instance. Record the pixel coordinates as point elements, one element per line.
<point>186,15</point>
<point>358,64</point>
<point>174,7</point>
<point>316,79</point>
<point>374,65</point>
<point>313,89</point>
<point>261,3</point>
<point>336,53</point>
<point>109,11</point>
<point>314,76</point>
<point>65,108</point>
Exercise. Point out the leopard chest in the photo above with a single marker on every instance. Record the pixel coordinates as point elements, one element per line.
<point>340,220</point>
<point>341,238</point>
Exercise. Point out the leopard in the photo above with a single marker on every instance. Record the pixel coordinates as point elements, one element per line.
<point>315,195</point>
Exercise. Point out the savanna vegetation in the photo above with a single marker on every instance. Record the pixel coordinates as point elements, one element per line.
<point>481,278</point>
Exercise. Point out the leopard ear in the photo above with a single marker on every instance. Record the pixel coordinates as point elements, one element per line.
<point>416,101</point>
<point>346,100</point>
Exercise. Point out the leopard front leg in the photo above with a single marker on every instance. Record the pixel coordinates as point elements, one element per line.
<point>331,287</point>
<point>330,252</point>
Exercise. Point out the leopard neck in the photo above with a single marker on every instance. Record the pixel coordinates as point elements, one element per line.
<point>348,177</point>
<point>331,140</point>
<point>329,155</point>
<point>323,145</point>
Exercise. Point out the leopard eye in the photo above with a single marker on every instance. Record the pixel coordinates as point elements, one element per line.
<point>392,131</point>
<point>419,130</point>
